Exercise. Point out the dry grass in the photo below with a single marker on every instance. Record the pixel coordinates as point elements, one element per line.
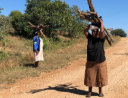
<point>62,57</point>
<point>116,39</point>
<point>17,57</point>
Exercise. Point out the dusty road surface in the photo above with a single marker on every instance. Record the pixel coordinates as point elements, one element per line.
<point>68,82</point>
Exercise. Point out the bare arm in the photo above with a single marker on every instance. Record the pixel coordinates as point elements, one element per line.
<point>42,34</point>
<point>86,30</point>
<point>102,33</point>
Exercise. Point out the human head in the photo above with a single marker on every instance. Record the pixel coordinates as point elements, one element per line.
<point>37,32</point>
<point>95,33</point>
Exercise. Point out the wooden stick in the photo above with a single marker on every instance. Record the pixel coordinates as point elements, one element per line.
<point>92,16</point>
<point>109,35</point>
<point>40,26</point>
<point>31,25</point>
<point>91,6</point>
<point>109,42</point>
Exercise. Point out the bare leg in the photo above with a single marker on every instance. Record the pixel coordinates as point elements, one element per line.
<point>89,92</point>
<point>36,64</point>
<point>90,89</point>
<point>101,92</point>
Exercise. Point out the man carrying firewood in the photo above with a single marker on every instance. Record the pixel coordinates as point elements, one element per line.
<point>96,66</point>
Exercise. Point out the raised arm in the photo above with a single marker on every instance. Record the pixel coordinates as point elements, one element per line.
<point>86,30</point>
<point>42,34</point>
<point>102,33</point>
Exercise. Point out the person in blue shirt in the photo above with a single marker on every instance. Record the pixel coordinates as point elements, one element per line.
<point>38,47</point>
<point>36,43</point>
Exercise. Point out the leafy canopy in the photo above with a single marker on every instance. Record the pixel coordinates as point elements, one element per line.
<point>119,32</point>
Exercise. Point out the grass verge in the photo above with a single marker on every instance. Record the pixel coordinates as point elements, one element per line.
<point>17,58</point>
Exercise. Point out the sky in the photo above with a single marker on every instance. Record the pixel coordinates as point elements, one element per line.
<point>113,12</point>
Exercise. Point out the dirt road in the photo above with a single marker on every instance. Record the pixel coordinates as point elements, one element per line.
<point>68,82</point>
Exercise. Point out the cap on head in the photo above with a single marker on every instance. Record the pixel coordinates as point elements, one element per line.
<point>36,31</point>
<point>101,18</point>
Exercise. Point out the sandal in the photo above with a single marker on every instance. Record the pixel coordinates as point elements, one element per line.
<point>101,95</point>
<point>89,94</point>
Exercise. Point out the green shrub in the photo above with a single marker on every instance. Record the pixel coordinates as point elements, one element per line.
<point>5,26</point>
<point>45,43</point>
<point>4,55</point>
<point>119,32</point>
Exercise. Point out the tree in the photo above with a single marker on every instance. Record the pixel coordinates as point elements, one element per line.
<point>15,13</point>
<point>5,26</point>
<point>119,32</point>
<point>18,21</point>
<point>77,22</point>
<point>16,18</point>
<point>54,13</point>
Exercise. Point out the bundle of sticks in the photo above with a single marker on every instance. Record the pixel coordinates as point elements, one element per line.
<point>93,17</point>
<point>39,28</point>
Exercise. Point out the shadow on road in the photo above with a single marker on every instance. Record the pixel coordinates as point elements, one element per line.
<point>29,65</point>
<point>65,88</point>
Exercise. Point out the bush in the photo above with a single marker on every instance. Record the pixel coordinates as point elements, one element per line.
<point>119,32</point>
<point>5,26</point>
<point>45,43</point>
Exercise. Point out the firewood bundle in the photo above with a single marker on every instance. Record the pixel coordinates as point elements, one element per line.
<point>38,27</point>
<point>93,17</point>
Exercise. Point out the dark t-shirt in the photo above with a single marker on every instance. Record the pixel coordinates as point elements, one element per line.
<point>95,49</point>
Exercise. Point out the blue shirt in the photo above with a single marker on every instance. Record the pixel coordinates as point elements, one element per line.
<point>36,43</point>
